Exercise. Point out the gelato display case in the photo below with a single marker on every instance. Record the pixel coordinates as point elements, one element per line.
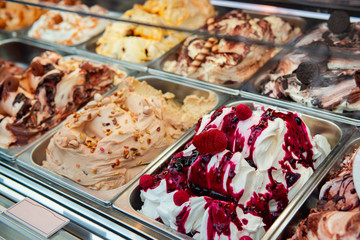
<point>169,119</point>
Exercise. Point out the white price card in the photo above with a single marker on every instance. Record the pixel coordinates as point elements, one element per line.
<point>37,217</point>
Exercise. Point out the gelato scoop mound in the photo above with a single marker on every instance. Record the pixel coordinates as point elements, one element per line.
<point>113,138</point>
<point>238,191</point>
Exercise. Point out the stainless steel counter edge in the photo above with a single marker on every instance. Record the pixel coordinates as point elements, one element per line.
<point>82,215</point>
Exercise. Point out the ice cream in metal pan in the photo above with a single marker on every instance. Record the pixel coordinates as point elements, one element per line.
<point>15,16</point>
<point>112,139</point>
<point>236,175</point>
<point>69,28</point>
<point>337,214</point>
<point>222,61</point>
<point>36,99</point>
<point>316,78</point>
<point>139,44</point>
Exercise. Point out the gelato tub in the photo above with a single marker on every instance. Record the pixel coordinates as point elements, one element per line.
<point>69,28</point>
<point>331,132</point>
<point>315,77</point>
<point>15,16</point>
<point>42,87</point>
<point>117,136</point>
<point>226,62</point>
<point>141,44</point>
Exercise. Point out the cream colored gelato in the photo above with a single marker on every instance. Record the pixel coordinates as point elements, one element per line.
<point>108,142</point>
<point>69,28</point>
<point>137,43</point>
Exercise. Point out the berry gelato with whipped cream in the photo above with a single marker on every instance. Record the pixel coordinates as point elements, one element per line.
<point>236,175</point>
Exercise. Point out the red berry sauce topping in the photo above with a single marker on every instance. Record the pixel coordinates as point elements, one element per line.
<point>191,174</point>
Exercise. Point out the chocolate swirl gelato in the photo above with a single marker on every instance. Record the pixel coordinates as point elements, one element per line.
<point>38,98</point>
<point>337,215</point>
<point>225,62</point>
<point>336,87</point>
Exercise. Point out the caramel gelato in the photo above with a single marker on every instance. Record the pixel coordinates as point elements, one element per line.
<point>35,100</point>
<point>137,43</point>
<point>222,61</point>
<point>14,16</point>
<point>113,138</point>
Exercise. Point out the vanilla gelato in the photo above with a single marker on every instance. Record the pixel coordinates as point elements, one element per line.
<point>137,43</point>
<point>69,28</point>
<point>113,138</point>
<point>237,174</point>
<point>222,61</point>
<point>35,100</point>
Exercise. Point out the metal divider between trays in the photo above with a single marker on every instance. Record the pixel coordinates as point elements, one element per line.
<point>241,95</point>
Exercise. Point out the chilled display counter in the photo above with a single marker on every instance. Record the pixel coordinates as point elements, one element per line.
<point>176,119</point>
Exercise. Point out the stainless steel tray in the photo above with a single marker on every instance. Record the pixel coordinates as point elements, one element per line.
<point>32,158</point>
<point>158,69</point>
<point>336,132</point>
<point>255,84</point>
<point>91,44</point>
<point>13,50</point>
<point>287,228</point>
